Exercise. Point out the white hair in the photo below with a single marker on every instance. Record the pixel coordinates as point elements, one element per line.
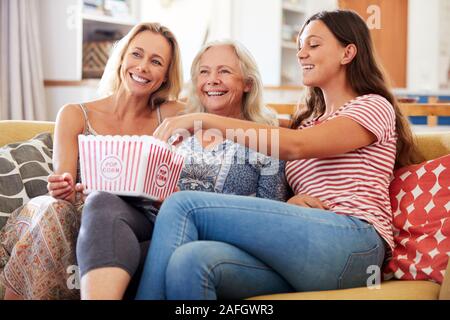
<point>253,108</point>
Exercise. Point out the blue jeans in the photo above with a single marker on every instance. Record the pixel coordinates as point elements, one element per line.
<point>208,246</point>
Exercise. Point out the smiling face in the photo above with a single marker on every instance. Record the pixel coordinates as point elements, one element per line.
<point>145,63</point>
<point>320,55</point>
<point>220,83</point>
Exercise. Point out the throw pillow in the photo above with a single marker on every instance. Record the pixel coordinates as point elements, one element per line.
<point>24,168</point>
<point>420,199</point>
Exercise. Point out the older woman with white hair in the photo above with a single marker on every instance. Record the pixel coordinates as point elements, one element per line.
<point>226,82</point>
<point>140,85</point>
<point>251,106</point>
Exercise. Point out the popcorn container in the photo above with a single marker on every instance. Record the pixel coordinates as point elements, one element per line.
<point>140,166</point>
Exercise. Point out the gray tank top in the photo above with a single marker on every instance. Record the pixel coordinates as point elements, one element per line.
<point>87,125</point>
<point>88,130</point>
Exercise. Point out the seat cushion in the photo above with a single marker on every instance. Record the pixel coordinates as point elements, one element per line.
<point>389,290</point>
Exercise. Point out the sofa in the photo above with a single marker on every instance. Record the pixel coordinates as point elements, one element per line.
<point>431,145</point>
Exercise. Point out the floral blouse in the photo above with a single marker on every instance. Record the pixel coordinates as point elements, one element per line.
<point>228,168</point>
<point>232,169</point>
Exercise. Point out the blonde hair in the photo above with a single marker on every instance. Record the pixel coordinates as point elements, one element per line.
<point>253,108</point>
<point>169,90</point>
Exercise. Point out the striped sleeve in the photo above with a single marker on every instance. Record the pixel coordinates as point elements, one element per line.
<point>374,113</point>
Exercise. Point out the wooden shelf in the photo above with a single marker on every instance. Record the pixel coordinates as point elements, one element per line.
<point>108,19</point>
<point>426,109</point>
<point>430,110</point>
<point>284,108</point>
<point>69,83</point>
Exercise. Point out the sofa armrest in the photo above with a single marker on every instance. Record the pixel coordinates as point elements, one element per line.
<point>444,293</point>
<point>21,130</point>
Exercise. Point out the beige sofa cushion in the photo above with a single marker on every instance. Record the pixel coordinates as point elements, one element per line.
<point>14,131</point>
<point>433,145</point>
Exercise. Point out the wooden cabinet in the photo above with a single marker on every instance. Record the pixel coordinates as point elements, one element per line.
<point>65,26</point>
<point>389,33</point>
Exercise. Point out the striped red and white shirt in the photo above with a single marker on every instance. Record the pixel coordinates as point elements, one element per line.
<point>355,183</point>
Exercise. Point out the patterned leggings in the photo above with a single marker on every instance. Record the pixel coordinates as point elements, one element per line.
<point>37,250</point>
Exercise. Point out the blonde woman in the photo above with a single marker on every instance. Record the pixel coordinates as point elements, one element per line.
<point>225,82</point>
<point>140,86</point>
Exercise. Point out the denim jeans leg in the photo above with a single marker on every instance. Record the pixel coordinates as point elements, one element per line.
<point>207,270</point>
<point>311,249</point>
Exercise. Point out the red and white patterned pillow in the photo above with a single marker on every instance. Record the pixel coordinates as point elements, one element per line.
<point>420,199</point>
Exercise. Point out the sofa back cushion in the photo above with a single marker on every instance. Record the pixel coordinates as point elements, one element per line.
<point>22,130</point>
<point>420,199</point>
<point>24,168</point>
<point>433,145</point>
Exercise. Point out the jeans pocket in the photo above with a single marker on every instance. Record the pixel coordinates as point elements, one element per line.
<point>355,272</point>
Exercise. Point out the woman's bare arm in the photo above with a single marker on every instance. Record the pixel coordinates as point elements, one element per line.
<point>69,124</point>
<point>336,136</point>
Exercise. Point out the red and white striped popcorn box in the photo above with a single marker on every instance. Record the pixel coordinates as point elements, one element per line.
<point>140,166</point>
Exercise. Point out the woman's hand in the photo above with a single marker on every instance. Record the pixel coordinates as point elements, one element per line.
<point>80,196</point>
<point>304,200</point>
<point>63,187</point>
<point>182,125</point>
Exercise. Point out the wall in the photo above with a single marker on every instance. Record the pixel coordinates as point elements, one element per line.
<point>257,25</point>
<point>428,45</point>
<point>444,51</point>
<point>191,21</point>
<point>56,97</point>
<point>56,24</point>
<point>318,5</point>
<point>423,21</point>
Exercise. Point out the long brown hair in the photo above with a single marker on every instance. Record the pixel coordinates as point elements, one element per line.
<point>364,74</point>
